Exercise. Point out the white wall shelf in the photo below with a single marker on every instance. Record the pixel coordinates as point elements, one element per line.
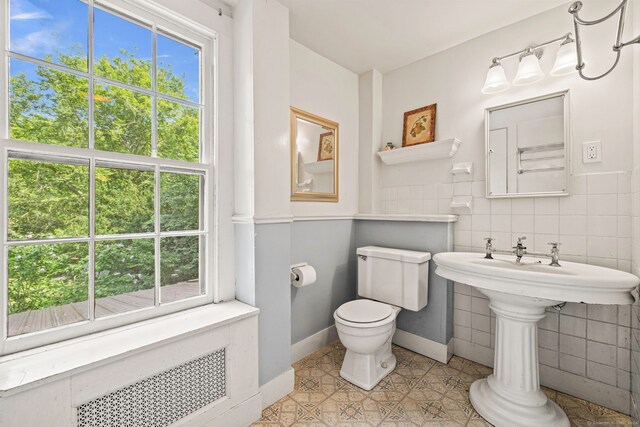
<point>442,149</point>
<point>315,168</point>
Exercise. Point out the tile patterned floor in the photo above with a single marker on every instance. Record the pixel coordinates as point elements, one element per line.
<point>419,392</point>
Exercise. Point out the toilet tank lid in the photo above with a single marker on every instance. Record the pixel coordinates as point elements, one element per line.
<point>395,254</point>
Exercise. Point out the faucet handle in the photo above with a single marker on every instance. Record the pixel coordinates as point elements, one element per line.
<point>489,240</point>
<point>555,254</point>
<point>519,244</point>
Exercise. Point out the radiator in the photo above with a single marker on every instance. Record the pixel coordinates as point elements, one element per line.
<point>161,399</point>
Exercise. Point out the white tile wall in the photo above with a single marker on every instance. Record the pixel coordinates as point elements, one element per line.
<point>586,340</point>
<point>629,338</point>
<point>594,225</point>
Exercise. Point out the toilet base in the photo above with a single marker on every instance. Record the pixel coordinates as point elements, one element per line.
<point>366,370</point>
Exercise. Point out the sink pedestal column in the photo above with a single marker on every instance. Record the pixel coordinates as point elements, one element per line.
<point>511,396</point>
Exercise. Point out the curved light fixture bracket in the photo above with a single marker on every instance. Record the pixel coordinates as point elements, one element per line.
<point>574,9</point>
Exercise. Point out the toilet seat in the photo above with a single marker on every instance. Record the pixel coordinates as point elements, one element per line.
<point>364,312</point>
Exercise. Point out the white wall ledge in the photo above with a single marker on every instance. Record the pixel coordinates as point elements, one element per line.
<point>277,219</point>
<point>418,218</point>
<point>20,371</point>
<point>442,149</point>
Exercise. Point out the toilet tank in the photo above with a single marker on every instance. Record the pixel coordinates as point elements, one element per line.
<point>396,276</point>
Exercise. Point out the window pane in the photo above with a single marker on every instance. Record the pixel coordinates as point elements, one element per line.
<point>179,202</point>
<point>122,120</point>
<point>47,106</point>
<point>124,201</point>
<point>48,286</point>
<point>122,50</point>
<point>54,31</point>
<point>178,131</point>
<point>47,200</point>
<point>125,276</point>
<point>178,66</point>
<point>180,268</point>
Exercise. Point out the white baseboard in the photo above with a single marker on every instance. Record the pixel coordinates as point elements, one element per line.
<point>586,388</point>
<point>277,388</point>
<point>426,347</point>
<point>474,352</point>
<point>243,414</point>
<point>313,343</point>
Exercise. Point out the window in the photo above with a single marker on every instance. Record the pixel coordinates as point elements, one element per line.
<point>105,168</point>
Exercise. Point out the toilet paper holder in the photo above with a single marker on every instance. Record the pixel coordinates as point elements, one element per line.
<point>294,276</point>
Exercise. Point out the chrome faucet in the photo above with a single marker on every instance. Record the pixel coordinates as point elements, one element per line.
<point>519,249</point>
<point>489,248</point>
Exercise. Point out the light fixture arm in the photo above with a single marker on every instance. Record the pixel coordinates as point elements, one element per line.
<point>537,49</point>
<point>574,9</point>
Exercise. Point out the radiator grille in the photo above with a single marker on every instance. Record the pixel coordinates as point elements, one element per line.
<point>161,399</point>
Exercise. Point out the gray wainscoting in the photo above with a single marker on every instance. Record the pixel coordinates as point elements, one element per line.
<point>329,246</point>
<point>289,315</point>
<point>435,321</point>
<point>273,296</point>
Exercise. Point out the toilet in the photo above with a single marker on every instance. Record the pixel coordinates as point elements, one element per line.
<point>388,281</point>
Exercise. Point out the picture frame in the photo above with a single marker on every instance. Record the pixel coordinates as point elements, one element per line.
<point>326,146</point>
<point>419,126</point>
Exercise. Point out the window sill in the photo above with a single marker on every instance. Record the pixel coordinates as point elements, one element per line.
<point>22,370</point>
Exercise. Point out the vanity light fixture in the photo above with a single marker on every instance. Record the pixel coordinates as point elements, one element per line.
<point>618,45</point>
<point>529,70</point>
<point>496,79</point>
<point>566,59</point>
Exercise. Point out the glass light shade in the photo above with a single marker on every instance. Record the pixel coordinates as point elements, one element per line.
<point>496,80</point>
<point>529,71</point>
<point>566,60</point>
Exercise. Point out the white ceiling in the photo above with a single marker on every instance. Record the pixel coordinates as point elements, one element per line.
<point>386,34</point>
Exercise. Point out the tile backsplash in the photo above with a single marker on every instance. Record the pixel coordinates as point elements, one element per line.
<point>585,344</point>
<point>593,223</point>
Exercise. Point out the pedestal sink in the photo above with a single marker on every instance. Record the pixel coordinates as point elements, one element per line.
<point>519,294</point>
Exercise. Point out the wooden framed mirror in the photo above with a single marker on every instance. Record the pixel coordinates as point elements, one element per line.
<point>314,158</point>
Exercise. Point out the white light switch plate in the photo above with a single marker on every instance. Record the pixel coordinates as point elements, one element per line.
<point>591,152</point>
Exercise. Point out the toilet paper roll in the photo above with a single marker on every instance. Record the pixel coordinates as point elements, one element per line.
<point>305,276</point>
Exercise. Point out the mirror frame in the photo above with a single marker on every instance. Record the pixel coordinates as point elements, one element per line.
<point>567,146</point>
<point>295,114</point>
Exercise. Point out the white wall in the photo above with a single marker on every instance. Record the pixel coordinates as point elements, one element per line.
<point>369,168</point>
<point>635,225</point>
<point>326,89</point>
<point>271,98</point>
<point>593,223</point>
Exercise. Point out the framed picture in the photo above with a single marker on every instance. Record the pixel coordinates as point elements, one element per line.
<point>419,126</point>
<point>326,146</point>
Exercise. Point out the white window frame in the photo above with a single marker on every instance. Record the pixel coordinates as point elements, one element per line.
<point>168,23</point>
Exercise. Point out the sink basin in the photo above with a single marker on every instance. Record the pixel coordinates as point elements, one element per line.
<point>519,294</point>
<point>571,282</point>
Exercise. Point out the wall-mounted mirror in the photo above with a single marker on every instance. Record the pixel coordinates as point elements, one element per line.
<point>527,147</point>
<point>314,158</point>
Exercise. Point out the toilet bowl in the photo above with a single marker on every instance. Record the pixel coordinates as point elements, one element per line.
<point>366,328</point>
<point>389,279</point>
